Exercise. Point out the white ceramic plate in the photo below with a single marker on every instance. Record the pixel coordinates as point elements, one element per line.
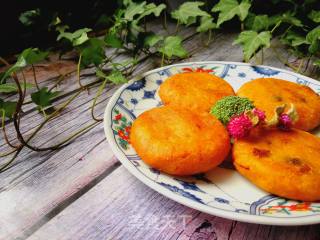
<point>221,192</point>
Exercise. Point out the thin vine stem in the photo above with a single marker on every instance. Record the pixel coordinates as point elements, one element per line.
<point>16,117</point>
<point>78,71</point>
<point>25,84</point>
<point>5,62</point>
<point>24,94</point>
<point>7,153</point>
<point>177,27</point>
<point>275,26</point>
<point>7,164</point>
<point>164,22</point>
<point>25,142</point>
<point>61,145</point>
<point>300,65</point>
<point>162,59</point>
<point>66,141</point>
<point>60,79</point>
<point>99,92</point>
<point>35,77</point>
<point>209,37</point>
<point>307,65</point>
<point>5,132</point>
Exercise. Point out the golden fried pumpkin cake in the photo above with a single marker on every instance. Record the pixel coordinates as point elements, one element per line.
<point>284,163</point>
<point>178,141</point>
<point>268,93</point>
<point>196,91</point>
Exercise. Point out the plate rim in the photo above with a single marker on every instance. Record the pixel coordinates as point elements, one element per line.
<point>242,217</point>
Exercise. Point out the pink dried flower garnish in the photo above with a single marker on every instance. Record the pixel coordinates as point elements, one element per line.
<point>285,121</point>
<point>239,126</point>
<point>259,113</point>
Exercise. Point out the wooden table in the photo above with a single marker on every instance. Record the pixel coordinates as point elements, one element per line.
<point>83,192</point>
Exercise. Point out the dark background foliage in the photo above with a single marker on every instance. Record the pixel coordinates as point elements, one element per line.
<point>76,14</point>
<point>96,14</point>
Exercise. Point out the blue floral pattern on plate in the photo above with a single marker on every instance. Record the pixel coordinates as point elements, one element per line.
<point>137,85</point>
<point>222,191</point>
<point>265,71</point>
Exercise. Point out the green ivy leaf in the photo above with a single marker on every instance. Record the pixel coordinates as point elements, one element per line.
<point>287,17</point>
<point>251,41</point>
<point>126,2</point>
<point>313,38</point>
<point>257,22</point>
<point>43,97</point>
<point>172,46</point>
<point>8,108</point>
<point>92,52</point>
<point>115,76</point>
<point>188,11</point>
<point>76,38</point>
<point>12,87</point>
<point>314,16</point>
<point>135,29</point>
<point>3,77</point>
<point>134,9</point>
<point>293,39</point>
<point>127,21</point>
<point>112,40</point>
<point>152,40</point>
<point>206,24</point>
<point>317,63</point>
<point>230,8</point>
<point>27,57</point>
<point>151,8</point>
<point>30,56</point>
<point>126,63</point>
<point>27,18</point>
<point>100,73</point>
<point>55,23</point>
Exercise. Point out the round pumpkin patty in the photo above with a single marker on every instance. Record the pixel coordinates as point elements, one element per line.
<point>196,91</point>
<point>268,93</point>
<point>285,163</point>
<point>178,141</point>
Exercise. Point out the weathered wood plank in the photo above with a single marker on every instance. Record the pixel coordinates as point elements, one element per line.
<point>254,231</point>
<point>50,185</point>
<point>40,174</point>
<point>121,207</point>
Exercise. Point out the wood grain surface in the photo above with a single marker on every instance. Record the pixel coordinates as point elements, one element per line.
<point>121,207</point>
<point>82,191</point>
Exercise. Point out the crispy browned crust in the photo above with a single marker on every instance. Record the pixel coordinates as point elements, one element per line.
<point>268,93</point>
<point>284,163</point>
<point>195,91</point>
<point>179,142</point>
